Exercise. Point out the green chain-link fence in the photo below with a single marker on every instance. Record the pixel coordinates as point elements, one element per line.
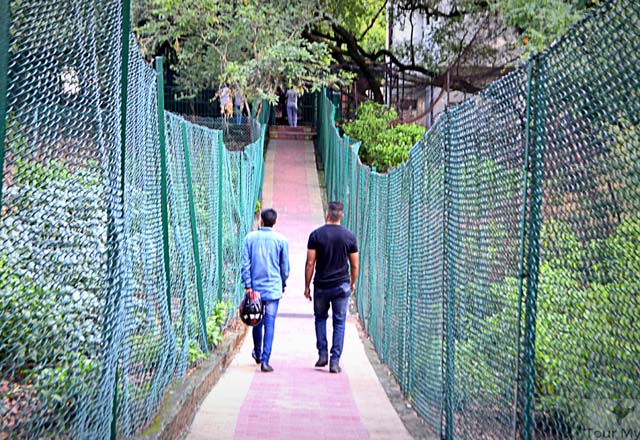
<point>120,225</point>
<point>500,263</point>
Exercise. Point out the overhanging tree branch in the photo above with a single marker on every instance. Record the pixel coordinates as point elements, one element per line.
<point>375,18</point>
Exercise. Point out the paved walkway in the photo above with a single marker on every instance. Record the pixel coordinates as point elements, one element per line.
<point>297,401</point>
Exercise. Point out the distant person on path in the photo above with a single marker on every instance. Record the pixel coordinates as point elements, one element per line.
<point>238,102</point>
<point>292,107</point>
<point>226,108</point>
<point>265,268</point>
<point>332,251</point>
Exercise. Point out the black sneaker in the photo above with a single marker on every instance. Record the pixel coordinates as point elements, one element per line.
<point>266,368</point>
<point>334,367</point>
<point>322,360</point>
<point>255,358</point>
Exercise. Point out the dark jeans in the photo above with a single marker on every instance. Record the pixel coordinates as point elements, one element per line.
<point>262,347</point>
<point>338,299</point>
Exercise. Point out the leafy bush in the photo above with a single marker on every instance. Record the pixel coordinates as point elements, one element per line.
<point>195,352</point>
<point>56,234</point>
<point>215,323</point>
<point>393,145</point>
<point>586,342</point>
<point>39,175</point>
<point>50,241</point>
<point>587,305</point>
<point>50,346</point>
<point>383,145</point>
<point>484,330</point>
<point>52,234</point>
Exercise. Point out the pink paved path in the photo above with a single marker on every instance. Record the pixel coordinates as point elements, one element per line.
<point>297,401</point>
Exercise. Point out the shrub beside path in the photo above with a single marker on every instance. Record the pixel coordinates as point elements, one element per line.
<point>297,401</point>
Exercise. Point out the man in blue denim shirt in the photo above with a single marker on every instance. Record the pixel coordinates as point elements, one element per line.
<point>332,251</point>
<point>265,268</point>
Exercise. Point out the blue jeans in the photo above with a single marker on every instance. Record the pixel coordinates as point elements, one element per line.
<point>292,115</point>
<point>238,112</point>
<point>262,347</point>
<point>338,299</point>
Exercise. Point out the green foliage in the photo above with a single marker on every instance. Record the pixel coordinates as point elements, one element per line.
<point>49,344</point>
<point>383,145</point>
<point>542,22</point>
<point>586,346</point>
<point>215,325</point>
<point>251,46</point>
<point>585,343</point>
<point>195,352</point>
<point>68,382</point>
<point>51,238</point>
<point>39,323</point>
<point>587,303</point>
<point>216,322</point>
<point>621,165</point>
<point>15,141</point>
<point>364,19</point>
<point>393,145</point>
<point>38,175</point>
<point>146,348</point>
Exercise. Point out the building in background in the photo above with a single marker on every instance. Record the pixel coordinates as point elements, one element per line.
<point>427,41</point>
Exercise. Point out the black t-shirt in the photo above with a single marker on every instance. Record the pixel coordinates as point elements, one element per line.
<point>333,244</point>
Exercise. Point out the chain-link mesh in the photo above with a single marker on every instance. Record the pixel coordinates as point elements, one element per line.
<point>236,134</point>
<point>499,264</point>
<point>425,288</point>
<point>484,181</point>
<point>89,326</point>
<point>147,354</point>
<point>588,309</point>
<point>60,227</point>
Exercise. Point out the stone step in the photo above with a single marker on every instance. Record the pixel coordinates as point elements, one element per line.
<point>300,128</point>
<point>291,133</point>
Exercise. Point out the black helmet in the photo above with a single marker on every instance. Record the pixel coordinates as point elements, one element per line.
<point>251,308</point>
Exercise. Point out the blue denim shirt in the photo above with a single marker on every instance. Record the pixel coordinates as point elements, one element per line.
<point>265,262</point>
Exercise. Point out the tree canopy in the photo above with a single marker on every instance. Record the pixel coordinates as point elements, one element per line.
<point>256,46</point>
<point>252,46</point>
<point>468,42</point>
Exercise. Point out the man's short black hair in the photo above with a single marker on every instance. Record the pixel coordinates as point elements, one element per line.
<point>268,217</point>
<point>335,211</point>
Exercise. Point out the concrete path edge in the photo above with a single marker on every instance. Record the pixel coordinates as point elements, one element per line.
<point>413,423</point>
<point>183,397</point>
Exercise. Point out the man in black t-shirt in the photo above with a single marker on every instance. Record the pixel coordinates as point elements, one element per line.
<point>332,251</point>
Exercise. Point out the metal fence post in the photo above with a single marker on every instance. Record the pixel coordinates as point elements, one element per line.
<point>448,291</point>
<point>407,361</point>
<point>111,233</point>
<point>372,239</point>
<point>523,233</point>
<point>345,174</point>
<point>261,178</point>
<point>220,201</point>
<point>164,202</point>
<point>533,251</point>
<point>348,189</point>
<point>360,216</point>
<point>194,237</point>
<point>5,21</point>
<point>330,170</point>
<point>242,191</point>
<point>387,285</point>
